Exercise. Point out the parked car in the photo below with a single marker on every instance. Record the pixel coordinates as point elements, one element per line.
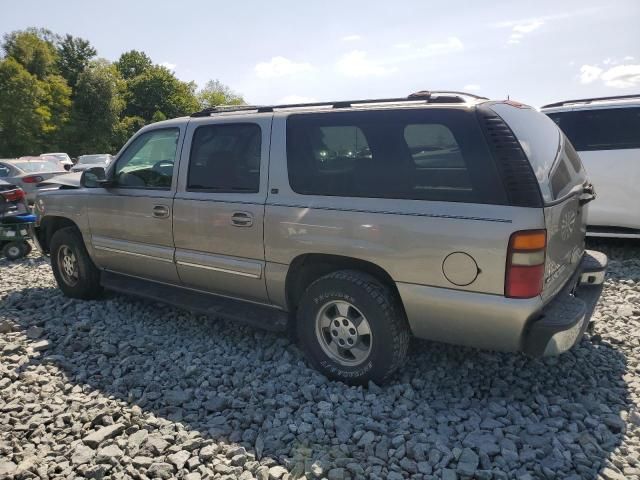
<point>14,218</point>
<point>354,224</point>
<point>86,161</point>
<point>28,172</point>
<point>63,158</point>
<point>606,133</point>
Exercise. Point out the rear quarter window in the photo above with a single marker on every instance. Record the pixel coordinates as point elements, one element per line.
<point>435,154</point>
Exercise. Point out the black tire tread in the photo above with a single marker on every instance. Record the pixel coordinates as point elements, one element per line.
<point>390,306</point>
<point>89,287</point>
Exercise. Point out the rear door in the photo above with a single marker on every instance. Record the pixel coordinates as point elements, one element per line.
<point>561,177</point>
<point>608,140</point>
<point>219,206</point>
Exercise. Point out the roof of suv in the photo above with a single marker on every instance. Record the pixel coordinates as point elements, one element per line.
<point>415,99</point>
<point>593,103</point>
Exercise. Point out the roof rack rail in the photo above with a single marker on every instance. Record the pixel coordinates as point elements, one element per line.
<point>590,100</point>
<point>424,96</point>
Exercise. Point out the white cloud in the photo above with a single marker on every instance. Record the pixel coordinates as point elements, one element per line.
<point>296,99</point>
<point>627,58</point>
<point>280,67</point>
<point>522,27</point>
<point>168,65</point>
<point>403,45</point>
<point>472,87</point>
<point>618,76</point>
<point>358,64</point>
<point>622,76</point>
<point>351,38</point>
<point>589,73</point>
<point>445,47</point>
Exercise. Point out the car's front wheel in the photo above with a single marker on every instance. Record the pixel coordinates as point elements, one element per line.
<point>352,328</point>
<point>72,267</point>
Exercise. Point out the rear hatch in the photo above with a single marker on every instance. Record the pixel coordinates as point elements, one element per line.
<point>563,185</point>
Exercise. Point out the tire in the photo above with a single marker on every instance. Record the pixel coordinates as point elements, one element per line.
<point>351,295</point>
<point>14,250</point>
<point>79,278</point>
<point>28,248</point>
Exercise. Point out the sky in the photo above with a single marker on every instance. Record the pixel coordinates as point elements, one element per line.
<point>294,51</point>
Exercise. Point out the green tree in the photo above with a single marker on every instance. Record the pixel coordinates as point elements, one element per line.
<point>157,93</point>
<point>32,50</point>
<point>125,128</point>
<point>96,109</point>
<point>133,63</point>
<point>216,93</point>
<point>21,115</point>
<point>74,54</point>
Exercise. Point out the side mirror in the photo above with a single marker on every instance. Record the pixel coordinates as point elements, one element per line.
<point>94,177</point>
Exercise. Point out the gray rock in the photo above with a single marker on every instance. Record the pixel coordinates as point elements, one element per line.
<point>109,454</point>
<point>34,332</point>
<point>97,437</point>
<point>277,472</point>
<point>336,474</point>
<point>161,470</point>
<point>7,468</point>
<point>468,462</point>
<point>82,454</point>
<point>142,462</point>
<point>40,346</point>
<point>179,458</point>
<point>344,430</point>
<point>448,474</point>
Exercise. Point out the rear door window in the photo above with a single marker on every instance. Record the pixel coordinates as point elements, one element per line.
<point>601,129</point>
<point>405,154</point>
<point>225,158</point>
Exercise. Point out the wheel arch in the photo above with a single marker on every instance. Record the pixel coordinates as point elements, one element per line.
<point>48,226</point>
<point>306,268</point>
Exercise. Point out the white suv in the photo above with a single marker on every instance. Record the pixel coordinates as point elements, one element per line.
<point>606,133</point>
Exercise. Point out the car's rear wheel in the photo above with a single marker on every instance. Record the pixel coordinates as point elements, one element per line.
<point>72,267</point>
<point>352,328</point>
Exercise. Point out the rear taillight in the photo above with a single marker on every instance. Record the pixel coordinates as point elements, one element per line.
<point>32,179</point>
<point>525,264</point>
<point>13,195</point>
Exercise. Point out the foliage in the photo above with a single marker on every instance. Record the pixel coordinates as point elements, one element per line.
<point>133,63</point>
<point>74,55</point>
<point>54,95</point>
<point>216,93</point>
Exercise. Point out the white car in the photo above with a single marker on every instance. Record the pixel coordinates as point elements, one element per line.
<point>606,133</point>
<point>63,158</point>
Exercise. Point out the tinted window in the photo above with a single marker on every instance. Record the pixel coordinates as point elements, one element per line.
<point>148,162</point>
<point>4,171</point>
<point>225,158</point>
<point>412,154</point>
<point>601,129</point>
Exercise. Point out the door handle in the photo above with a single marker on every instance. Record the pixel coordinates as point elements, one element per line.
<point>241,219</point>
<point>160,211</point>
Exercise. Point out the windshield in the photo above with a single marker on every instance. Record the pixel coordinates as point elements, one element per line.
<point>94,159</point>
<point>40,166</point>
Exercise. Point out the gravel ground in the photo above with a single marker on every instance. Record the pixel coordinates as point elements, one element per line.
<point>121,388</point>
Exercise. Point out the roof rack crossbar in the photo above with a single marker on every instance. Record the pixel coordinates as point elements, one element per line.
<point>589,100</point>
<point>423,96</point>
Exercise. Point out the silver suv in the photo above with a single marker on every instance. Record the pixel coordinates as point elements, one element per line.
<point>354,225</point>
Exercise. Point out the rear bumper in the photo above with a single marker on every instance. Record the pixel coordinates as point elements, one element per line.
<point>563,321</point>
<point>494,322</point>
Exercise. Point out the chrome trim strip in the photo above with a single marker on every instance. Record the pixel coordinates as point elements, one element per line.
<point>115,250</point>
<point>391,212</point>
<point>216,269</point>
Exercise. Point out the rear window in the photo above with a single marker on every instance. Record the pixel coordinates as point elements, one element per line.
<point>434,154</point>
<point>601,129</point>
<point>44,166</point>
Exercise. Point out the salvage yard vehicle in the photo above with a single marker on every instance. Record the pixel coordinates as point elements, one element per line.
<point>15,219</point>
<point>63,158</point>
<point>606,133</point>
<point>28,172</point>
<point>353,224</point>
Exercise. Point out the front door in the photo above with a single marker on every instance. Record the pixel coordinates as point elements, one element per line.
<point>219,207</point>
<point>131,224</point>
